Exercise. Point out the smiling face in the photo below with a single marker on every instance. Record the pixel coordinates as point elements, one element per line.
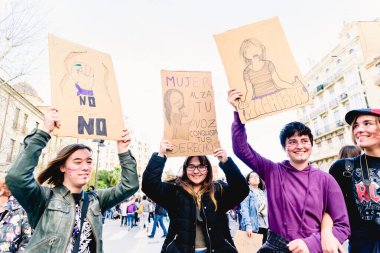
<point>196,172</point>
<point>299,149</point>
<point>366,132</point>
<point>77,170</point>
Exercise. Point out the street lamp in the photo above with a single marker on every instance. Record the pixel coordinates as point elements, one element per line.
<point>100,144</point>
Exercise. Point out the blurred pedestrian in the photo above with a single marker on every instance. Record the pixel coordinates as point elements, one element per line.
<point>254,208</point>
<point>15,230</point>
<point>159,215</point>
<point>349,151</point>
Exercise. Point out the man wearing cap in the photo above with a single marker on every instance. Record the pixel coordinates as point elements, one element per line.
<point>298,193</point>
<point>359,179</point>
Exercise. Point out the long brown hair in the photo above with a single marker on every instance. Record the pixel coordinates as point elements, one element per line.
<point>52,174</point>
<point>207,184</point>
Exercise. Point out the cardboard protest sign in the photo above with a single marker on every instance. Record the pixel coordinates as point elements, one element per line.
<point>189,112</point>
<point>85,92</point>
<point>245,244</point>
<point>259,63</point>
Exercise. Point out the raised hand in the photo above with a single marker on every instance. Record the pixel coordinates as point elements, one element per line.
<point>51,120</point>
<point>220,154</point>
<point>165,145</point>
<point>234,97</point>
<point>123,143</point>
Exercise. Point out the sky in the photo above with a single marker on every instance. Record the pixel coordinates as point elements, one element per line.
<point>145,36</point>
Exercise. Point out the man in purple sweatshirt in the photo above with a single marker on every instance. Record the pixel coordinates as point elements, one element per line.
<point>298,194</point>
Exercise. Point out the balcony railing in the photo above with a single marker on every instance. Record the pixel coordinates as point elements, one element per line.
<point>328,128</point>
<point>333,103</point>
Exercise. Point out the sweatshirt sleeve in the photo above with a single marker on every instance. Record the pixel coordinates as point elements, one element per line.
<point>245,152</point>
<point>336,208</point>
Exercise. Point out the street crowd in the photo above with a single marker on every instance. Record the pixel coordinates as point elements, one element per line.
<point>294,205</point>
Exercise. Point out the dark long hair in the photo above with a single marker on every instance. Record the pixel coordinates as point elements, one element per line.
<point>207,184</point>
<point>52,174</point>
<point>261,184</point>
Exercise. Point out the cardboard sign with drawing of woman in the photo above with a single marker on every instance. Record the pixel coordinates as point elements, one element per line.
<point>259,63</point>
<point>85,92</point>
<point>189,112</point>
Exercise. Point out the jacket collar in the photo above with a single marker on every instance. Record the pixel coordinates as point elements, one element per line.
<point>65,193</point>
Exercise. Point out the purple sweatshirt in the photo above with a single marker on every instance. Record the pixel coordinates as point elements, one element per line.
<point>297,199</point>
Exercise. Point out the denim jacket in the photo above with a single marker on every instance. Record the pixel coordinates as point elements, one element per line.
<point>51,211</point>
<point>249,212</point>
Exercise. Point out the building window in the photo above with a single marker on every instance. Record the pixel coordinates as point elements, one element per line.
<point>357,100</point>
<point>337,116</point>
<point>24,127</point>
<point>339,61</point>
<point>15,120</point>
<point>351,52</point>
<point>10,154</point>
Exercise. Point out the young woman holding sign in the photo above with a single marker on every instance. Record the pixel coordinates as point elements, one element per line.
<point>196,205</point>
<point>65,218</point>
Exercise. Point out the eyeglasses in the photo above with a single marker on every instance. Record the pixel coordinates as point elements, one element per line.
<point>294,143</point>
<point>192,167</point>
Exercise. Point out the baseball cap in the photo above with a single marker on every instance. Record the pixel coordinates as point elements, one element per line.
<point>351,115</point>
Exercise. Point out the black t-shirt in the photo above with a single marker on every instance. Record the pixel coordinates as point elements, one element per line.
<point>87,238</point>
<point>363,208</point>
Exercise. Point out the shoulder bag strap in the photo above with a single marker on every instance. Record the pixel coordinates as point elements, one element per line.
<point>82,217</point>
<point>3,214</point>
<point>349,167</point>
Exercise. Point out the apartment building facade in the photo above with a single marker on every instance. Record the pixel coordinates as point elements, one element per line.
<point>348,77</point>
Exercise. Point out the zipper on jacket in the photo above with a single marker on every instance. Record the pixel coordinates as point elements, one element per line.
<point>230,244</point>
<point>71,228</point>
<point>208,235</point>
<point>175,237</point>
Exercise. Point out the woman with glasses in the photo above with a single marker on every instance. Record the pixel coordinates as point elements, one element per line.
<point>196,204</point>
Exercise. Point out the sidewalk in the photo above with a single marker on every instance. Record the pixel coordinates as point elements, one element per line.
<point>119,239</point>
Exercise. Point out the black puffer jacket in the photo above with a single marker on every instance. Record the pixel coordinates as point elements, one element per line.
<point>182,209</point>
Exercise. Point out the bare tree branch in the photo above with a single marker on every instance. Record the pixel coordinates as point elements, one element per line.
<point>22,34</point>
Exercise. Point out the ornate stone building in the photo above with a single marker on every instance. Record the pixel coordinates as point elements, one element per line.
<point>347,77</point>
